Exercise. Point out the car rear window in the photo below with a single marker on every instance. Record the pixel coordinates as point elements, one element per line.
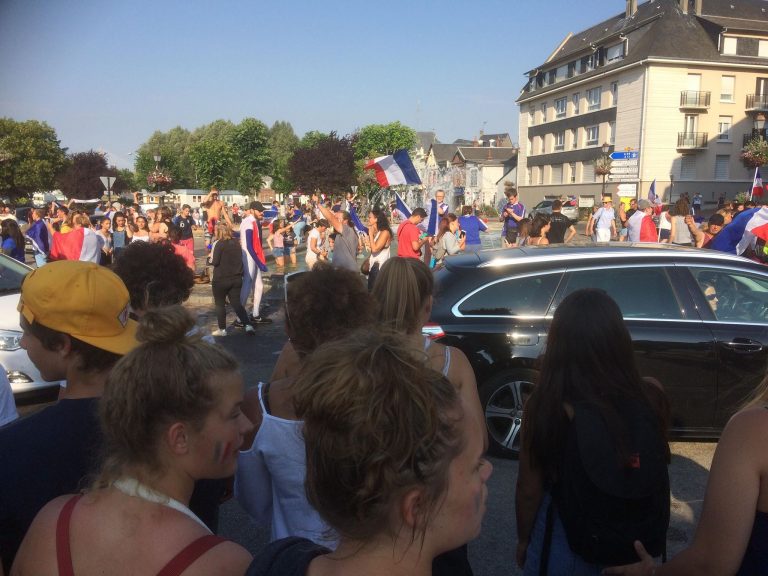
<point>640,292</point>
<point>520,296</point>
<point>11,275</point>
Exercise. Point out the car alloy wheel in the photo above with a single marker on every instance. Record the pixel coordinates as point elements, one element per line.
<point>503,399</point>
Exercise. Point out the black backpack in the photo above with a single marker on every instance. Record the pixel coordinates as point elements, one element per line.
<point>606,505</point>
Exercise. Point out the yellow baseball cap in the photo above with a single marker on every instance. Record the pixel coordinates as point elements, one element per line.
<point>81,299</point>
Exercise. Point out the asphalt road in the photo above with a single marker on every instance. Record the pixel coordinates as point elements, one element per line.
<point>493,552</point>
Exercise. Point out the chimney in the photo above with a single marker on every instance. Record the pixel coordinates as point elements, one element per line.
<point>691,7</point>
<point>631,8</point>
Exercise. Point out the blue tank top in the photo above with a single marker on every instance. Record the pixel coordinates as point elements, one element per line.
<point>755,561</point>
<point>118,239</point>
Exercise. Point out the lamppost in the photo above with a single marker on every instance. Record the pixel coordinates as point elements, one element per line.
<point>603,166</point>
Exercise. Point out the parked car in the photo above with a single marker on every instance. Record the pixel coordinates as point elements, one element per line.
<point>698,319</point>
<point>26,382</point>
<point>569,209</point>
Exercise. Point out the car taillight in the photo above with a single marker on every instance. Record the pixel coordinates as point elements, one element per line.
<point>433,331</point>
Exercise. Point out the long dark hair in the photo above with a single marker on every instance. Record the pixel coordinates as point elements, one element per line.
<point>382,222</point>
<point>589,358</point>
<point>10,229</point>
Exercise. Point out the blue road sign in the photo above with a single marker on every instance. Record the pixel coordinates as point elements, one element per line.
<point>625,155</point>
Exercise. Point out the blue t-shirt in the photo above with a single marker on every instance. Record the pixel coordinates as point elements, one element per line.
<point>9,247</point>
<point>472,225</point>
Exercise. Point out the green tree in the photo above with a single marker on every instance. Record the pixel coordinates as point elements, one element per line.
<point>250,144</point>
<point>282,144</point>
<point>81,179</point>
<point>213,161</point>
<point>313,138</point>
<point>328,165</point>
<point>173,148</point>
<point>383,139</point>
<point>30,157</point>
<point>126,182</point>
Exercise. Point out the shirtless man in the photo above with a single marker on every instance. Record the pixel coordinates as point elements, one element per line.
<point>216,209</point>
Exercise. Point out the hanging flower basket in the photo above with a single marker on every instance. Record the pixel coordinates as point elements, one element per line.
<point>755,153</point>
<point>156,177</point>
<point>603,166</point>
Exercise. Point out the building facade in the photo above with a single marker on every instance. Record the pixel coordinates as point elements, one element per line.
<point>674,87</point>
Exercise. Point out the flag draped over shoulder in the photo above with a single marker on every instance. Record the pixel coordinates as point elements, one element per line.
<point>68,245</point>
<point>395,169</point>
<point>745,228</point>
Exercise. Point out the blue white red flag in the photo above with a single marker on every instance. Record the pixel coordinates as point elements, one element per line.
<point>401,206</point>
<point>395,169</point>
<point>757,184</point>
<point>654,199</point>
<point>742,231</point>
<point>359,226</point>
<point>432,224</point>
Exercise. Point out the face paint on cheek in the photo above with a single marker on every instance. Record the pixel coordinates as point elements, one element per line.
<point>222,452</point>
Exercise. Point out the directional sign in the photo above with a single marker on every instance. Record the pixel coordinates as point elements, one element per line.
<point>624,163</point>
<point>625,155</point>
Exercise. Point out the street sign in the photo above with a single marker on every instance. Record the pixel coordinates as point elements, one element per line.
<point>625,155</point>
<point>623,177</point>
<point>107,181</point>
<point>624,163</point>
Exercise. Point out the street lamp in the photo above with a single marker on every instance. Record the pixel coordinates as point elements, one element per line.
<point>605,167</point>
<point>157,183</point>
<point>760,125</point>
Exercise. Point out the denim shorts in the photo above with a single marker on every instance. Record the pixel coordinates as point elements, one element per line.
<point>278,252</point>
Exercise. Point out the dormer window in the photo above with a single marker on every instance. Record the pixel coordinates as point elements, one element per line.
<point>729,45</point>
<point>615,52</point>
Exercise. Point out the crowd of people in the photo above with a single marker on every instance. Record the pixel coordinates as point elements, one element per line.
<point>365,450</point>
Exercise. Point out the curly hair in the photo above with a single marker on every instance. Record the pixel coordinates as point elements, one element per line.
<point>377,422</point>
<point>326,303</point>
<point>154,275</point>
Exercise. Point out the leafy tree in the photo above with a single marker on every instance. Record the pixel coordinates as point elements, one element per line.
<point>312,138</point>
<point>126,181</point>
<point>81,179</point>
<point>30,157</point>
<point>328,165</point>
<point>213,161</point>
<point>250,144</point>
<point>173,148</point>
<point>282,144</point>
<point>383,139</point>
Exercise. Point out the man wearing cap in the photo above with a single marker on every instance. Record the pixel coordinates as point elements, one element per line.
<point>254,262</point>
<point>74,317</point>
<point>640,226</point>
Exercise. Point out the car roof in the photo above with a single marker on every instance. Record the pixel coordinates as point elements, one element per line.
<point>565,254</point>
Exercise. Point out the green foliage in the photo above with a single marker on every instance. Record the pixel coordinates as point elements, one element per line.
<point>173,148</point>
<point>213,161</point>
<point>329,166</point>
<point>282,144</point>
<point>312,138</point>
<point>30,157</point>
<point>383,139</point>
<point>81,179</point>
<point>126,181</point>
<point>250,144</point>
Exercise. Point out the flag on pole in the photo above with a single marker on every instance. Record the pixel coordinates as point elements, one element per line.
<point>394,169</point>
<point>401,206</point>
<point>757,184</point>
<point>432,225</point>
<point>359,226</point>
<point>654,199</point>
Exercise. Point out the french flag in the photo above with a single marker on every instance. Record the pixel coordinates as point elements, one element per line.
<point>401,206</point>
<point>395,169</point>
<point>654,199</point>
<point>432,224</point>
<point>79,244</point>
<point>359,226</point>
<point>757,184</point>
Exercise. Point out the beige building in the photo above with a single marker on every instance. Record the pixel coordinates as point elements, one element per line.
<point>677,86</point>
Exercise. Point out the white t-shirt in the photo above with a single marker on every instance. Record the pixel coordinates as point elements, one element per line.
<point>311,256</point>
<point>7,404</point>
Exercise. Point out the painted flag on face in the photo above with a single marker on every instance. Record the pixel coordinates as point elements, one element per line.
<point>401,206</point>
<point>356,221</point>
<point>395,169</point>
<point>757,184</point>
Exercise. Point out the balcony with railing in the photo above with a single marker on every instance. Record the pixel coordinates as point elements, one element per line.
<point>692,140</point>
<point>761,134</point>
<point>692,99</point>
<point>757,102</point>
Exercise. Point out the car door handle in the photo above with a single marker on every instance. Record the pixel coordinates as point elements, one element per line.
<point>743,345</point>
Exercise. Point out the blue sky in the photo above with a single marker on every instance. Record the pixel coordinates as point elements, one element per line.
<point>106,74</point>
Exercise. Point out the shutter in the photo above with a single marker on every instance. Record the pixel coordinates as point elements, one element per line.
<point>557,174</point>
<point>688,168</point>
<point>587,172</point>
<point>721,167</point>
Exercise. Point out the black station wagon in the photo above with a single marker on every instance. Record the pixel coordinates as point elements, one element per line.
<point>698,319</point>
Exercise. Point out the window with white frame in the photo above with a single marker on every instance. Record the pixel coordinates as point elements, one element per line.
<point>560,105</point>
<point>612,132</point>
<point>724,128</point>
<point>572,172</point>
<point>688,167</point>
<point>556,175</point>
<point>615,52</point>
<point>574,138</point>
<point>560,141</point>
<point>614,93</point>
<point>593,98</point>
<point>591,135</point>
<point>473,177</point>
<point>729,45</point>
<point>721,167</point>
<point>727,84</point>
<point>561,73</point>
<point>762,48</point>
<point>551,76</point>
<point>576,99</point>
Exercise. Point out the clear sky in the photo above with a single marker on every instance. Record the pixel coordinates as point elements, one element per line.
<point>106,74</point>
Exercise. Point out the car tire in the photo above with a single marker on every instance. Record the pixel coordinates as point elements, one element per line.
<point>503,397</point>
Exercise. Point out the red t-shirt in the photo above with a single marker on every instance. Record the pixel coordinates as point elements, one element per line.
<point>407,233</point>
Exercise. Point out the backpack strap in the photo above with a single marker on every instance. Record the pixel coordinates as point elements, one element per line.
<point>63,548</point>
<point>188,555</point>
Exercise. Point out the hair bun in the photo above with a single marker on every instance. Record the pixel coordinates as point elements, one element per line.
<point>165,325</point>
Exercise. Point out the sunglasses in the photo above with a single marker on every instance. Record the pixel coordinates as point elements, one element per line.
<point>711,297</point>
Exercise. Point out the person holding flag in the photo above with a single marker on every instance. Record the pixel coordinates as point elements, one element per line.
<point>347,243</point>
<point>254,262</point>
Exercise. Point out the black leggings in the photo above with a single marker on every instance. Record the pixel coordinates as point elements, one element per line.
<point>231,289</point>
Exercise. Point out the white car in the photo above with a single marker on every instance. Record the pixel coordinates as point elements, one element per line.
<point>25,379</point>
